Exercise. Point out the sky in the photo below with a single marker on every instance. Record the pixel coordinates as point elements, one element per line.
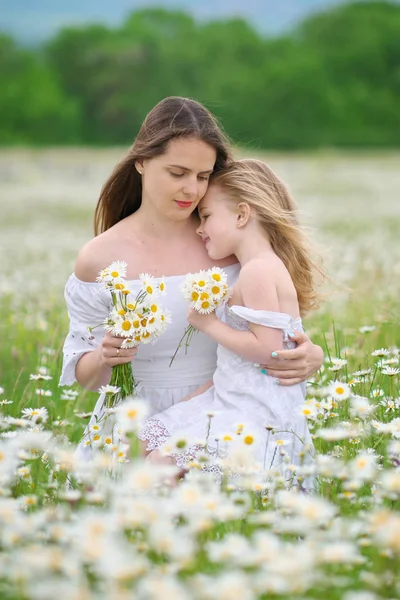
<point>33,21</point>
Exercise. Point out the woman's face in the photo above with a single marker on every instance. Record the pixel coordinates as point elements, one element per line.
<point>174,183</point>
<point>218,224</point>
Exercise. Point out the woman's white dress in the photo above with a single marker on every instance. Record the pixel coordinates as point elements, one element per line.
<point>241,396</point>
<point>163,386</point>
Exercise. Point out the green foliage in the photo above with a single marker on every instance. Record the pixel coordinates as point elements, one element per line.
<point>33,107</point>
<point>333,81</point>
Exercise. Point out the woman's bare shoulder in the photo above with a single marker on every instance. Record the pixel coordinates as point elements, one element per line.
<point>95,255</point>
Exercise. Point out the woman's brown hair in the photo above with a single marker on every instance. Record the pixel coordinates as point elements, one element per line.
<point>253,182</point>
<point>171,118</point>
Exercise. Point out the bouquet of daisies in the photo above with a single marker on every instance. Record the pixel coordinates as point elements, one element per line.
<point>205,291</point>
<point>139,319</point>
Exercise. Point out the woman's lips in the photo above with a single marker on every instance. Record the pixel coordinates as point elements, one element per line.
<point>183,204</point>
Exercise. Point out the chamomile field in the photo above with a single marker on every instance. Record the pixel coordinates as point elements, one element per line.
<point>114,528</point>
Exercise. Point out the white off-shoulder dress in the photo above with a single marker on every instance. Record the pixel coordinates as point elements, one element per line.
<point>161,385</point>
<point>241,395</point>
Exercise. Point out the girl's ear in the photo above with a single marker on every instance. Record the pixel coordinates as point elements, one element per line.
<point>243,214</point>
<point>139,166</point>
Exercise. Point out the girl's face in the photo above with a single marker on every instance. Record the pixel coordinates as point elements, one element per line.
<point>218,224</point>
<point>174,183</point>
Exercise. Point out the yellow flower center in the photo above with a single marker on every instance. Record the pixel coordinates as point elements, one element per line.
<point>216,277</point>
<point>154,308</point>
<point>145,335</point>
<point>119,286</point>
<point>227,438</point>
<point>132,413</point>
<point>126,325</point>
<point>136,324</point>
<point>149,289</point>
<point>143,322</point>
<point>205,304</point>
<point>248,439</point>
<point>201,283</point>
<point>96,437</point>
<point>204,296</point>
<point>122,312</point>
<point>114,274</point>
<point>195,296</point>
<point>130,306</point>
<point>162,286</point>
<point>339,390</point>
<point>215,289</point>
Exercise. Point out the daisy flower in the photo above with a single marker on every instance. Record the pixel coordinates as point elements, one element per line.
<point>367,329</point>
<point>38,415</point>
<point>381,352</point>
<point>131,414</point>
<point>339,390</point>
<point>390,371</point>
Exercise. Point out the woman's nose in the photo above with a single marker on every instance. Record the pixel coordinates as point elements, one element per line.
<point>191,188</point>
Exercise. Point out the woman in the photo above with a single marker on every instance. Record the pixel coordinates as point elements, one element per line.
<point>146,216</point>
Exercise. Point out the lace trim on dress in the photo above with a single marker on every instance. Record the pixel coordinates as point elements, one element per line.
<point>156,434</point>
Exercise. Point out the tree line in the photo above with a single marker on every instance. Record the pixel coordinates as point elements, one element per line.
<point>333,80</point>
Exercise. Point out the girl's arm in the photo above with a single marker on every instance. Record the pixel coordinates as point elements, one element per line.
<point>258,290</point>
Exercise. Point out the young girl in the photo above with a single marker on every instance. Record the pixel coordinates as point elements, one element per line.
<point>248,212</point>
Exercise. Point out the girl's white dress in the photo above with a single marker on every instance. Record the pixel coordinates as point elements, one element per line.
<point>163,386</point>
<point>241,395</point>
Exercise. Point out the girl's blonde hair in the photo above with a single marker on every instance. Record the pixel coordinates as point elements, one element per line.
<point>253,182</point>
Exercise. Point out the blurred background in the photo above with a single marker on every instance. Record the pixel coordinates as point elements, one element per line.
<point>312,86</point>
<point>283,75</point>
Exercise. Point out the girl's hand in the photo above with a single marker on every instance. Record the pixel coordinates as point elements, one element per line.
<point>294,366</point>
<point>201,322</point>
<point>112,354</point>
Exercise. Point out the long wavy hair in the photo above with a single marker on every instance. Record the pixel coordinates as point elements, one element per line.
<point>253,182</point>
<point>173,117</point>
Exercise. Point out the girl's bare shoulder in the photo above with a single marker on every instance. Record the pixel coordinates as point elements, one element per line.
<point>269,265</point>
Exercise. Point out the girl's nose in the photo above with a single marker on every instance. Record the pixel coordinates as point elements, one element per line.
<point>199,230</point>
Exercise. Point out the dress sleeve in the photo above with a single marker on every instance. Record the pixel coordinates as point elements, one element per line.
<point>88,305</point>
<point>267,318</point>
